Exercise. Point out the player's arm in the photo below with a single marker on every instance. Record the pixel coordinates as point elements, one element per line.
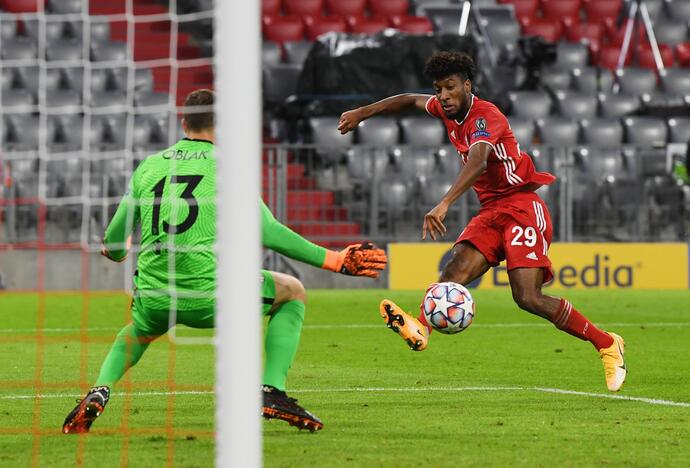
<point>398,103</point>
<point>118,235</point>
<point>356,259</point>
<point>473,168</point>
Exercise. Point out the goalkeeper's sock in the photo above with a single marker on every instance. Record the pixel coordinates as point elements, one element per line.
<point>126,351</point>
<point>574,323</point>
<point>282,339</point>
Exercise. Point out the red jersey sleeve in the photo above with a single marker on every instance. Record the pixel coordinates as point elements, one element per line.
<point>487,126</point>
<point>433,107</point>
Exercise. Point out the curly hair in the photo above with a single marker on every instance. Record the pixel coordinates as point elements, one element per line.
<point>443,64</point>
<point>198,110</point>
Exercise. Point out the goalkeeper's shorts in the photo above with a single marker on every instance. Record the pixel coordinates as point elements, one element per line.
<point>268,291</point>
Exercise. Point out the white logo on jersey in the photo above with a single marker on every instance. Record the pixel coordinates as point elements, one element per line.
<point>532,256</point>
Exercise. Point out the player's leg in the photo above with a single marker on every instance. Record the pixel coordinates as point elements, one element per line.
<point>284,299</point>
<point>527,235</point>
<point>466,264</point>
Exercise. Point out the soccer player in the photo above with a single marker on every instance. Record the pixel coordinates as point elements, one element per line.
<point>513,223</point>
<point>172,196</point>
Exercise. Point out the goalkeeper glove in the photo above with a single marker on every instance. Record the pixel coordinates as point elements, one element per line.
<point>357,260</point>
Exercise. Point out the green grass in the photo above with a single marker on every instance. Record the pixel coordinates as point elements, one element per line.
<point>475,399</point>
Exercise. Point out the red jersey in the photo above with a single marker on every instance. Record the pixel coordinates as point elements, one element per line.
<point>508,169</point>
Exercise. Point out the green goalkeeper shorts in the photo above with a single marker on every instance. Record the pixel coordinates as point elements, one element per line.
<point>158,322</point>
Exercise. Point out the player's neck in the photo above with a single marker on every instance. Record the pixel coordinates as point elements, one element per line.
<point>206,135</point>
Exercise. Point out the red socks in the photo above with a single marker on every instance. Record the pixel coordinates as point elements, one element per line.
<point>574,323</point>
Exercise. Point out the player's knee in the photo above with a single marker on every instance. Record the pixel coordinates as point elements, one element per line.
<point>456,272</point>
<point>296,290</point>
<point>528,300</point>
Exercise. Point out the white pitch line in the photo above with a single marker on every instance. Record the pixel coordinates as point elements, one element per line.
<point>560,391</point>
<point>369,325</point>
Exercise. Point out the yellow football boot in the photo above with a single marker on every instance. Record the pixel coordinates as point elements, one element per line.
<point>409,328</point>
<point>614,364</point>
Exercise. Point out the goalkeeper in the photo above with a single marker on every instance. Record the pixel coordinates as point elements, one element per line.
<point>172,196</point>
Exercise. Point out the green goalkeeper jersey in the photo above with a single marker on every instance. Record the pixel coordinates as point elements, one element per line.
<point>172,195</point>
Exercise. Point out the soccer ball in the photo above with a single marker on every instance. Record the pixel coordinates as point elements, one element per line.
<point>448,307</point>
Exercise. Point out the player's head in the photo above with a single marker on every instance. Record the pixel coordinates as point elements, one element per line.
<point>197,115</point>
<point>452,74</point>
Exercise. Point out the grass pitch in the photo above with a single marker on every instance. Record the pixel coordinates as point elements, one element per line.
<point>511,390</point>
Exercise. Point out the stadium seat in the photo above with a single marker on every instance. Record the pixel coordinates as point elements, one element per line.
<point>446,19</point>
<point>280,81</point>
<point>617,105</point>
<point>602,10</point>
<point>417,162</point>
<point>378,131</point>
<point>655,8</point>
<point>270,53</point>
<point>608,57</point>
<point>67,100</point>
<point>675,81</point>
<point>64,50</point>
<point>19,6</point>
<point>679,130</point>
<point>601,132</point>
<point>576,105</point>
<point>557,131</point>
<point>283,28</point>
<point>523,130</point>
<point>324,132</point>
<point>683,54</point>
<point>678,9</point>
<point>363,25</point>
<point>296,52</point>
<point>530,104</point>
<point>362,163</point>
<point>65,6</point>
<point>644,130</point>
<point>586,79</point>
<point>556,78</point>
<point>500,32</point>
<point>113,98</point>
<point>270,7</point>
<point>565,11</point>
<point>570,54</point>
<point>389,8</point>
<point>671,31</point>
<point>346,7</point>
<point>10,78</point>
<point>23,133</point>
<point>415,25</point>
<point>432,189</point>
<point>17,100</point>
<point>8,29</point>
<point>394,197</point>
<point>324,25</point>
<point>551,31</point>
<point>18,48</point>
<point>525,10</point>
<point>109,51</point>
<point>303,7</point>
<point>606,80</point>
<point>645,57</point>
<point>635,81</point>
<point>591,34</point>
<point>422,131</point>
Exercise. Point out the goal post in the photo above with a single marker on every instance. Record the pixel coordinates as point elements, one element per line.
<point>238,150</point>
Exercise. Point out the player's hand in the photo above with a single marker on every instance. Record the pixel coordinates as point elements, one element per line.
<point>433,221</point>
<point>361,260</point>
<point>106,254</point>
<point>349,121</point>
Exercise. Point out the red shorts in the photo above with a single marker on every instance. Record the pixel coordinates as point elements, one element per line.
<point>516,229</point>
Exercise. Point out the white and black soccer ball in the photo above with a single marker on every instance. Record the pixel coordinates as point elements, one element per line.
<point>448,307</point>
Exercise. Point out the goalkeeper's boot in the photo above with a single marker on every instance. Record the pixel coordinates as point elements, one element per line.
<point>87,410</point>
<point>409,328</point>
<point>614,364</point>
<point>280,406</point>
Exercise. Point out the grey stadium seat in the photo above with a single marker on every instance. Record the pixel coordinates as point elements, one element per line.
<point>422,131</point>
<point>394,195</point>
<point>324,132</point>
<point>417,162</point>
<point>571,54</point>
<point>23,132</point>
<point>643,130</point>
<point>379,131</point>
<point>586,79</point>
<point>671,32</point>
<point>68,100</point>
<point>617,105</point>
<point>280,81</point>
<point>445,18</point>
<point>502,31</point>
<point>679,130</point>
<point>635,81</point>
<point>65,6</point>
<point>17,100</point>
<point>556,78</point>
<point>434,188</point>
<point>362,163</point>
<point>602,132</point>
<point>99,30</point>
<point>523,130</point>
<point>577,105</point>
<point>101,99</point>
<point>531,104</point>
<point>64,49</point>
<point>10,78</point>
<point>108,51</point>
<point>297,51</point>
<point>678,9</point>
<point>676,81</point>
<point>606,80</point>
<point>8,29</point>
<point>151,99</point>
<point>54,29</point>
<point>558,131</point>
<point>18,48</point>
<point>270,53</point>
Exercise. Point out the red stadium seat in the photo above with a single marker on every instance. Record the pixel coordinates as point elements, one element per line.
<point>416,25</point>
<point>524,9</point>
<point>346,7</point>
<point>567,11</point>
<point>683,54</point>
<point>602,10</point>
<point>616,35</point>
<point>645,57</point>
<point>270,7</point>
<point>19,6</point>
<point>322,25</point>
<point>550,30</point>
<point>608,57</point>
<point>389,7</point>
<point>283,28</point>
<point>593,33</point>
<point>304,7</point>
<point>364,25</point>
